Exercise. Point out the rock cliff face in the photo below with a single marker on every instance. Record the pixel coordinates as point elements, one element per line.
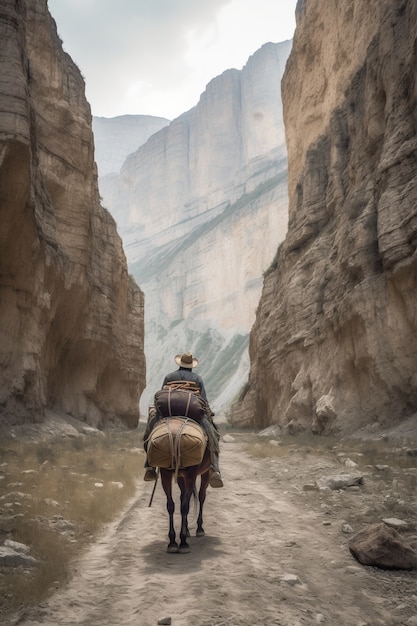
<point>116,137</point>
<point>201,207</point>
<point>334,345</point>
<point>71,319</point>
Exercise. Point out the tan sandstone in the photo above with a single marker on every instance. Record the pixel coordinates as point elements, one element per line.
<point>71,319</point>
<point>201,207</point>
<point>334,345</point>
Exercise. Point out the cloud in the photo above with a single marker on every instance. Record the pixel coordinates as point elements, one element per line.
<point>156,56</point>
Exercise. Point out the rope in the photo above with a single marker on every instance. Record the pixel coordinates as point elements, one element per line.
<point>175,444</point>
<point>170,390</point>
<point>178,447</point>
<point>171,443</point>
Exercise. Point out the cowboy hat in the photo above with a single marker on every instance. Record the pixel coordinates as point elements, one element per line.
<point>186,360</point>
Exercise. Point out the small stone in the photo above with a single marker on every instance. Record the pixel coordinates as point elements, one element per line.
<point>98,485</point>
<point>339,481</point>
<point>9,524</point>
<point>350,463</point>
<point>290,579</point>
<point>164,621</point>
<point>228,439</point>
<point>17,546</point>
<point>117,484</point>
<point>309,487</point>
<point>381,468</point>
<point>394,522</point>
<point>347,529</point>
<point>320,619</point>
<point>51,502</point>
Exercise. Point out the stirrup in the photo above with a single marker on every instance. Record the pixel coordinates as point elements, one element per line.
<point>150,474</point>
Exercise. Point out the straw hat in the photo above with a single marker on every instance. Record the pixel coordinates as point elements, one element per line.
<point>186,360</point>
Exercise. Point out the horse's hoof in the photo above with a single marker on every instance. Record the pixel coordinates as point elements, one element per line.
<point>184,549</point>
<point>200,532</point>
<point>172,548</point>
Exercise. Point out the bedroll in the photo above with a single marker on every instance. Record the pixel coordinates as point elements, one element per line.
<point>176,442</point>
<point>171,402</point>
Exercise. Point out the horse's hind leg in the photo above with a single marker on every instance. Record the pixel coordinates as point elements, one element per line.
<point>166,479</point>
<point>185,507</point>
<point>201,498</point>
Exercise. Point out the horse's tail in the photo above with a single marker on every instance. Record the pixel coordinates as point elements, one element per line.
<point>194,496</point>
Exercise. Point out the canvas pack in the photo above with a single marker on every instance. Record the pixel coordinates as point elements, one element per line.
<point>176,442</point>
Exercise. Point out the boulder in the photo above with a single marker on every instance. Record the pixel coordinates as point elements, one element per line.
<point>382,546</point>
<point>13,558</point>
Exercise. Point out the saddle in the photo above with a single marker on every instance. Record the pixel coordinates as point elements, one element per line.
<point>176,442</point>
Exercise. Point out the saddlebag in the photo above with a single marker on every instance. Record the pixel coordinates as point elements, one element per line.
<point>176,442</point>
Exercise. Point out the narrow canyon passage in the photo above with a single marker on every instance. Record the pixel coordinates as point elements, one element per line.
<point>272,554</point>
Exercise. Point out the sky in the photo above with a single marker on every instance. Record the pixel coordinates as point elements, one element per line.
<point>155,57</point>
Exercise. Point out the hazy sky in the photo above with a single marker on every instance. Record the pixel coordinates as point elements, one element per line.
<point>155,57</point>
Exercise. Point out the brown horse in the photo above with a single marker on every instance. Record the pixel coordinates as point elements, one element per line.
<point>187,483</point>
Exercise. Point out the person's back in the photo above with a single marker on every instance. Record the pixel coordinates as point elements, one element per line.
<point>185,374</point>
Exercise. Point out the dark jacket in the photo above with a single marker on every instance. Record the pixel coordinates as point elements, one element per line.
<point>184,373</point>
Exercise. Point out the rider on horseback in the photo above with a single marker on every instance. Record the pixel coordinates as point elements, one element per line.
<point>185,376</point>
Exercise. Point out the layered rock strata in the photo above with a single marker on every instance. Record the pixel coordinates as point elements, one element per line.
<point>116,137</point>
<point>201,207</point>
<point>71,319</point>
<point>334,345</point>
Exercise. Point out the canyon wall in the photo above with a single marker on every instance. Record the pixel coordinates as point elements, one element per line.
<point>334,345</point>
<point>116,137</point>
<point>201,208</point>
<point>71,319</point>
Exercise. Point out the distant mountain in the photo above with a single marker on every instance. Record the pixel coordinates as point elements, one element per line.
<point>116,137</point>
<point>201,208</point>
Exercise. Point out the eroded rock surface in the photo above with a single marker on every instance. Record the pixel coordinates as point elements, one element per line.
<point>201,207</point>
<point>71,319</point>
<point>334,345</point>
<point>116,137</point>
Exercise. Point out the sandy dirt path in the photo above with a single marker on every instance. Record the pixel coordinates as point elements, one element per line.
<point>259,528</point>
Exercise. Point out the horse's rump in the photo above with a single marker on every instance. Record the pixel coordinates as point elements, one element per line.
<point>176,442</point>
<point>171,401</point>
